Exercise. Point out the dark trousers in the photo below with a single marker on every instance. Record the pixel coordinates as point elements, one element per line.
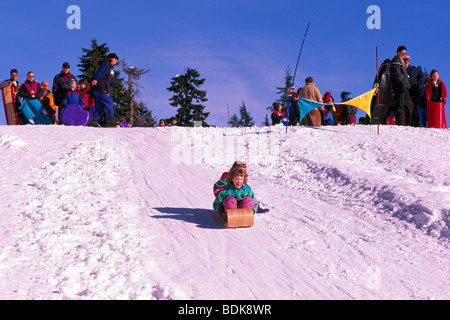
<point>402,107</point>
<point>103,102</point>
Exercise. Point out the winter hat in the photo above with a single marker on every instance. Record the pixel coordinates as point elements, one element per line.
<point>345,95</point>
<point>327,97</point>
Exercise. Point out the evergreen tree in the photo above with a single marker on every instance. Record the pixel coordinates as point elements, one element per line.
<point>245,119</point>
<point>266,122</point>
<point>91,58</point>
<point>188,98</point>
<point>282,92</point>
<point>234,121</point>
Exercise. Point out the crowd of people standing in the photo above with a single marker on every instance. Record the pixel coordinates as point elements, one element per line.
<point>68,90</point>
<point>412,91</point>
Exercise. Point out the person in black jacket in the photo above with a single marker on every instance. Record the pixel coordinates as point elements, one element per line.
<point>30,89</point>
<point>277,114</point>
<point>400,85</point>
<point>416,82</point>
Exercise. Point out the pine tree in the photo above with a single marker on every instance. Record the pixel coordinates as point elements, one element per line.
<point>234,121</point>
<point>188,98</point>
<point>266,122</point>
<point>91,58</point>
<point>282,92</point>
<point>245,119</point>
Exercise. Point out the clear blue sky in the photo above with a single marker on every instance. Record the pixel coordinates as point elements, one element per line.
<point>241,47</point>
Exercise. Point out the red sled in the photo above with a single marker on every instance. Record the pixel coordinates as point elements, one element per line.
<point>9,102</point>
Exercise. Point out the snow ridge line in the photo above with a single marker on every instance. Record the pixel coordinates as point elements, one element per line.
<point>84,247</point>
<point>325,181</point>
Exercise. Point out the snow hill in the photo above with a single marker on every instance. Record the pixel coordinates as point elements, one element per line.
<point>89,213</point>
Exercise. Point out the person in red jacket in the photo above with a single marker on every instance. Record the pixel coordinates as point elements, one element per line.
<point>436,91</point>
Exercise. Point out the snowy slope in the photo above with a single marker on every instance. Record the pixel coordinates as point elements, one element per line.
<point>90,213</point>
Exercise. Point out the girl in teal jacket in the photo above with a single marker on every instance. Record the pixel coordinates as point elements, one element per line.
<point>236,194</point>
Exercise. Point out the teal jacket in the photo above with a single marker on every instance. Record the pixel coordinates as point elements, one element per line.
<point>239,194</point>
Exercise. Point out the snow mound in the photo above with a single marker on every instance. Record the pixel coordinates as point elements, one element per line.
<point>7,141</point>
<point>90,213</point>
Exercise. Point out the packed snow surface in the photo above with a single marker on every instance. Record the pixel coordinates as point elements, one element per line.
<point>89,213</point>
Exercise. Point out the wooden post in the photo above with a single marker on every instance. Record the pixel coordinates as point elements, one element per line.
<point>229,124</point>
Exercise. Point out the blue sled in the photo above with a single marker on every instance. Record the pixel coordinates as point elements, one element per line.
<point>34,112</point>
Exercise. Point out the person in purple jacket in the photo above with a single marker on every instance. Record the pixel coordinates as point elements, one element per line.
<point>101,88</point>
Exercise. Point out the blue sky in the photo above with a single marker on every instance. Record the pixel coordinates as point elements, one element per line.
<point>242,48</point>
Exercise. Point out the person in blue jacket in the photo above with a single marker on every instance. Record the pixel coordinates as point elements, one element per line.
<point>73,96</point>
<point>101,88</point>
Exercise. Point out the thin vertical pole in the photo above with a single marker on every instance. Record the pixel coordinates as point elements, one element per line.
<point>229,125</point>
<point>378,95</point>
<point>300,53</point>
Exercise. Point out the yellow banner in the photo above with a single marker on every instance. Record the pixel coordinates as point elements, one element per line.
<point>362,101</point>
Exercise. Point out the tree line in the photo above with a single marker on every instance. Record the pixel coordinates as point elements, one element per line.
<point>187,95</point>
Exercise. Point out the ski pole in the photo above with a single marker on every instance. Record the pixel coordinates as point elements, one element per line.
<point>299,54</point>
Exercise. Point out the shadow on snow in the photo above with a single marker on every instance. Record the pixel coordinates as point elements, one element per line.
<point>203,218</point>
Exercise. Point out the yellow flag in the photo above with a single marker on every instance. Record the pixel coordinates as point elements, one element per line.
<point>362,101</point>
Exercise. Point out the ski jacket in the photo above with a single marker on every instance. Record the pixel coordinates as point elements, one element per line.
<point>416,78</point>
<point>31,90</point>
<point>103,77</point>
<point>311,92</point>
<point>277,116</point>
<point>61,84</point>
<point>222,182</point>
<point>436,93</point>
<point>399,75</point>
<point>73,97</point>
<point>88,98</point>
<point>48,102</point>
<point>231,191</point>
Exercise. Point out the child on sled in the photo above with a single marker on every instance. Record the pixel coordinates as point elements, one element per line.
<point>222,182</point>
<point>218,186</point>
<point>236,194</point>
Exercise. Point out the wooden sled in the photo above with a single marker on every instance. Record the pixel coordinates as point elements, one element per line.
<point>239,218</point>
<point>9,102</point>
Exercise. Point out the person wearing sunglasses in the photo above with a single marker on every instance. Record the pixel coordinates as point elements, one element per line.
<point>30,88</point>
<point>400,85</point>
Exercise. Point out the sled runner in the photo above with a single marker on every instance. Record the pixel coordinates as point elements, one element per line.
<point>10,104</point>
<point>239,218</point>
<point>34,112</point>
<point>75,115</point>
